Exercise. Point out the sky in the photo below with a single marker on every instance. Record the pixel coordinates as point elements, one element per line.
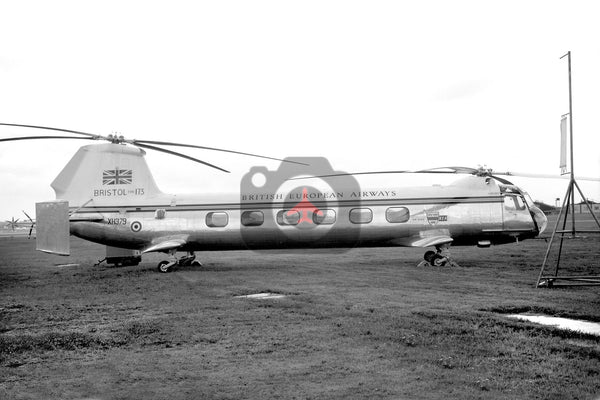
<point>371,86</point>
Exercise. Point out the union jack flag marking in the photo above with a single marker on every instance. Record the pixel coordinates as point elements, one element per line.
<point>117,177</point>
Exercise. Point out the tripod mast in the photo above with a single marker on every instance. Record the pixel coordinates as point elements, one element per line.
<point>568,203</point>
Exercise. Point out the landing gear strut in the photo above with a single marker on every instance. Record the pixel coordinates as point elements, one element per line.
<point>188,260</point>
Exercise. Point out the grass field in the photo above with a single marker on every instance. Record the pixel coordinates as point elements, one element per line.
<point>366,323</point>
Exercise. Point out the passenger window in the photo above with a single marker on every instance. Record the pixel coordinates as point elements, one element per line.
<point>288,217</point>
<point>252,218</point>
<point>325,217</point>
<point>397,214</point>
<point>217,219</point>
<point>361,215</point>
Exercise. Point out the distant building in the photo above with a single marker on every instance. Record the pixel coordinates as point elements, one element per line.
<point>582,208</point>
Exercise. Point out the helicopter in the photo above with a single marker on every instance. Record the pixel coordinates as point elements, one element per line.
<point>107,194</point>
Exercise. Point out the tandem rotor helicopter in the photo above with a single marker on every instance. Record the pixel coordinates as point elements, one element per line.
<point>107,194</point>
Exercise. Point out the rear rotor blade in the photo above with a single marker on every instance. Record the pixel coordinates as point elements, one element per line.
<point>136,142</point>
<point>32,224</point>
<point>51,129</point>
<point>45,137</point>
<point>140,143</point>
<point>27,215</point>
<point>174,153</point>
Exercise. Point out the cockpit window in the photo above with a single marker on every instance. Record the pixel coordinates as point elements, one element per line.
<point>528,200</point>
<point>514,203</point>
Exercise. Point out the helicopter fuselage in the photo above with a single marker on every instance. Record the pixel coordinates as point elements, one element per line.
<point>417,216</point>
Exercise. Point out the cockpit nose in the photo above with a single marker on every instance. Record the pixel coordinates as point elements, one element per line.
<point>541,221</point>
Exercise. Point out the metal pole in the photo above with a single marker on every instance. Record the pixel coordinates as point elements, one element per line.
<point>562,208</point>
<point>571,182</point>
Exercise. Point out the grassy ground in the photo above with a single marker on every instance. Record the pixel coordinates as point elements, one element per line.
<point>363,324</point>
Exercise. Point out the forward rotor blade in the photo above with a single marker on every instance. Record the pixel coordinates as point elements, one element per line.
<point>45,137</point>
<point>502,180</point>
<point>211,148</point>
<point>449,170</point>
<point>51,129</point>
<point>441,170</point>
<point>545,176</point>
<point>354,173</point>
<point>174,153</point>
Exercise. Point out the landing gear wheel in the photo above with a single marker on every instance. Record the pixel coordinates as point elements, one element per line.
<point>164,266</point>
<point>438,260</point>
<point>428,256</point>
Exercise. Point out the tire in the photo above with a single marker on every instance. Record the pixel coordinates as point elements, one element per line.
<point>428,256</point>
<point>438,260</point>
<point>162,267</point>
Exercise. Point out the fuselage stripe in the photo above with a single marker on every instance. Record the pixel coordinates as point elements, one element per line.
<point>281,205</point>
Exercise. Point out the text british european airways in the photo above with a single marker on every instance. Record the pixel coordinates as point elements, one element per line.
<point>318,195</point>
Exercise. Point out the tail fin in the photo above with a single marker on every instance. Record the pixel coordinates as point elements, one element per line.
<point>105,174</point>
